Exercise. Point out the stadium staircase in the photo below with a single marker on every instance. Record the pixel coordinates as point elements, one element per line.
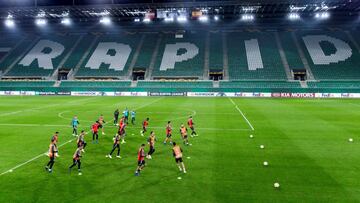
<point>84,56</point>
<point>225,57</point>
<point>304,61</point>
<point>135,58</point>
<point>283,56</point>
<point>69,53</point>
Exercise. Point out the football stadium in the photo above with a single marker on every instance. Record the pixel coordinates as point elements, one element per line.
<point>179,101</point>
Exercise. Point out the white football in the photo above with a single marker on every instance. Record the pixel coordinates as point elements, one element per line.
<point>276,185</point>
<point>266,163</point>
<point>351,140</point>
<point>251,136</point>
<point>262,146</point>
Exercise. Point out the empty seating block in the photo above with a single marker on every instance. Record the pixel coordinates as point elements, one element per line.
<point>44,57</point>
<point>79,51</point>
<point>26,84</point>
<point>180,56</point>
<point>101,61</point>
<point>216,52</point>
<point>175,84</point>
<point>14,54</point>
<point>331,54</point>
<point>291,52</point>
<point>97,84</point>
<point>335,84</point>
<point>147,49</point>
<point>254,56</point>
<point>259,84</point>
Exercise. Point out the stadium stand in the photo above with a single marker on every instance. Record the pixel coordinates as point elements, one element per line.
<point>175,84</point>
<point>215,51</point>
<point>147,49</point>
<point>97,84</point>
<point>332,63</point>
<point>7,44</point>
<point>290,50</point>
<point>259,84</point>
<point>29,66</point>
<point>5,83</point>
<point>185,67</point>
<point>79,51</point>
<point>335,84</point>
<point>120,65</point>
<point>243,65</point>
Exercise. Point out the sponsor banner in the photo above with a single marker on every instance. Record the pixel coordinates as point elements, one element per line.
<point>11,93</point>
<point>45,93</point>
<point>167,94</point>
<point>204,94</point>
<point>293,95</point>
<point>64,93</point>
<point>133,94</point>
<point>110,94</point>
<point>354,95</point>
<point>252,94</point>
<point>328,95</point>
<point>27,93</point>
<point>86,93</point>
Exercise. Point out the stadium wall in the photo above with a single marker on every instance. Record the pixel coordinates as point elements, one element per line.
<point>49,92</point>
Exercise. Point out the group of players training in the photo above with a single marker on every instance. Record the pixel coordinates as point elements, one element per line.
<point>120,135</point>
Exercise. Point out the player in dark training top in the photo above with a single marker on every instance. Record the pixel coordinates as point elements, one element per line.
<point>81,141</point>
<point>116,145</point>
<point>52,153</point>
<point>116,116</point>
<point>76,160</point>
<point>151,141</point>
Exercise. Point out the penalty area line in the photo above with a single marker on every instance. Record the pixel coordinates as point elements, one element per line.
<point>242,114</point>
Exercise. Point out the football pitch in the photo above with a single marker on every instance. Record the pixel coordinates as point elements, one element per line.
<point>306,143</point>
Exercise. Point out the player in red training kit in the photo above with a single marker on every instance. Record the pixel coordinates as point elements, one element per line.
<point>141,160</point>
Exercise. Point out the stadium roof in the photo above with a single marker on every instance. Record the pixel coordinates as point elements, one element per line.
<point>21,9</point>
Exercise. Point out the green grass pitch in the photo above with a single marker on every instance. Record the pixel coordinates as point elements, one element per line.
<point>306,145</point>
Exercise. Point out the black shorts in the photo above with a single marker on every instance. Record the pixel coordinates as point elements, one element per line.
<point>100,126</point>
<point>178,160</point>
<point>75,161</point>
<point>144,128</point>
<point>52,158</point>
<point>168,135</point>
<point>185,137</point>
<point>141,163</point>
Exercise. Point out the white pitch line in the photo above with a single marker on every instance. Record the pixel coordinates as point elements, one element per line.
<point>43,154</point>
<point>248,122</point>
<point>32,159</point>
